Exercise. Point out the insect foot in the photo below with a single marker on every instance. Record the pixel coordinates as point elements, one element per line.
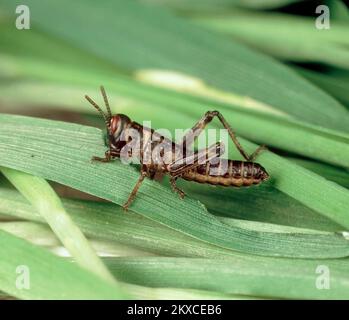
<point>176,189</point>
<point>254,155</point>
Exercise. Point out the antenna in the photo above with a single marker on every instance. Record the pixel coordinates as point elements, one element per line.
<point>106,102</point>
<point>106,119</point>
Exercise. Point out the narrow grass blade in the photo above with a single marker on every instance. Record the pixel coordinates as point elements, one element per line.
<point>226,271</point>
<point>41,235</point>
<point>108,223</point>
<point>338,175</point>
<point>40,194</point>
<point>246,204</point>
<point>50,277</point>
<point>268,33</point>
<point>335,83</point>
<point>146,293</point>
<point>70,160</point>
<point>69,281</point>
<point>273,278</point>
<point>221,6</point>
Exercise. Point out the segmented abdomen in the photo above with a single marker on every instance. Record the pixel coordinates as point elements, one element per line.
<point>228,173</point>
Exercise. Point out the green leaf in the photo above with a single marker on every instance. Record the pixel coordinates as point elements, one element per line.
<point>108,222</point>
<point>339,11</point>
<point>267,277</point>
<point>335,82</point>
<point>61,152</point>
<point>286,173</point>
<point>338,175</point>
<point>41,235</point>
<point>48,204</point>
<point>268,32</point>
<point>221,6</point>
<point>244,204</point>
<point>180,294</point>
<point>50,277</point>
<point>224,271</point>
<point>68,281</point>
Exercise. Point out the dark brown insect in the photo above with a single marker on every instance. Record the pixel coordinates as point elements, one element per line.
<point>203,166</point>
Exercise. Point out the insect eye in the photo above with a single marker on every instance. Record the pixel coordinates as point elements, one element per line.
<point>114,123</point>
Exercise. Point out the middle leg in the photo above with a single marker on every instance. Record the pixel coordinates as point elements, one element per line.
<point>190,137</point>
<point>133,194</point>
<point>175,188</point>
<point>109,155</point>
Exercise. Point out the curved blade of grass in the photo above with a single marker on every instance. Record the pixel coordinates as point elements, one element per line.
<point>268,32</point>
<point>295,181</point>
<point>339,11</point>
<point>221,6</point>
<point>265,277</point>
<point>41,235</point>
<point>334,83</point>
<point>168,294</point>
<point>246,204</point>
<point>51,277</point>
<point>266,227</point>
<point>180,294</point>
<point>40,194</point>
<point>106,222</point>
<point>33,232</point>
<point>338,175</point>
<point>68,281</point>
<point>68,162</point>
<point>103,219</point>
<point>204,55</point>
<point>25,230</point>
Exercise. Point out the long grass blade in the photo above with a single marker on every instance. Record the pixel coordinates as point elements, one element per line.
<point>40,194</point>
<point>66,280</point>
